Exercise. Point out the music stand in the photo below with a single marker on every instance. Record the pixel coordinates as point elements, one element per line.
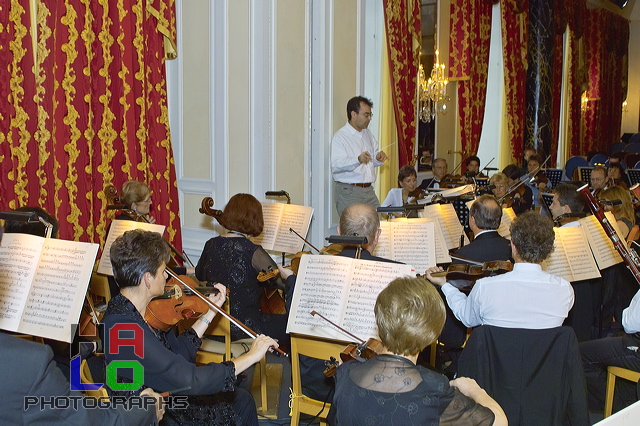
<point>29,217</point>
<point>634,176</point>
<point>281,193</point>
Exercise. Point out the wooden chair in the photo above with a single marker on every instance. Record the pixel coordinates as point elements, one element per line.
<point>612,373</point>
<point>99,286</point>
<point>315,348</point>
<point>86,377</point>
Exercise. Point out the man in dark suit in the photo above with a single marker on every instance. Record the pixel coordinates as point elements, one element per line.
<point>439,172</point>
<point>484,220</point>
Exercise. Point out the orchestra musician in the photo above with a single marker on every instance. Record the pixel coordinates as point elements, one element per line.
<point>540,181</point>
<point>526,297</point>
<point>43,379</point>
<point>139,260</point>
<point>617,176</point>
<point>520,199</point>
<point>526,154</point>
<point>439,172</point>
<point>235,261</point>
<point>598,180</point>
<point>473,167</point>
<point>623,212</point>
<point>390,388</point>
<point>567,208</point>
<point>136,196</point>
<point>397,197</point>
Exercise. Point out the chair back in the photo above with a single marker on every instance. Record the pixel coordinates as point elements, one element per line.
<point>598,159</point>
<point>316,348</point>
<point>87,377</point>
<point>572,164</point>
<point>617,146</point>
<point>535,375</point>
<point>634,146</point>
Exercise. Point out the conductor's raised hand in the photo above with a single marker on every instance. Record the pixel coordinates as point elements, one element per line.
<point>364,157</point>
<point>381,156</point>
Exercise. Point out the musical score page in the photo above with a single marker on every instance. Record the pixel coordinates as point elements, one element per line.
<point>278,218</point>
<point>450,224</point>
<point>508,216</point>
<point>117,228</point>
<point>601,246</point>
<point>46,299</point>
<point>411,241</point>
<point>571,259</point>
<point>343,290</point>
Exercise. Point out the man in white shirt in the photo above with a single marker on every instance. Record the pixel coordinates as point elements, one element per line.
<point>620,351</point>
<point>526,297</point>
<point>354,157</point>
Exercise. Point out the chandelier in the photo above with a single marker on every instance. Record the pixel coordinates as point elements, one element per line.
<point>432,93</point>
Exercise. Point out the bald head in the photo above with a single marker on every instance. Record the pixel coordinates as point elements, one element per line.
<point>360,220</point>
<point>486,212</point>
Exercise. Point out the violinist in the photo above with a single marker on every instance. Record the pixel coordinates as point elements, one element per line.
<point>566,201</point>
<point>409,315</point>
<point>407,193</point>
<point>526,297</point>
<point>522,197</point>
<point>235,261</point>
<point>540,181</point>
<point>139,261</point>
<point>473,167</point>
<point>439,172</point>
<point>598,181</point>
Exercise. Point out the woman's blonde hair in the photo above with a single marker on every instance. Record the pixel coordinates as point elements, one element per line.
<point>410,315</point>
<point>134,192</point>
<point>621,210</point>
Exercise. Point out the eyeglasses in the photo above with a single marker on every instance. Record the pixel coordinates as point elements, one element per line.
<point>368,114</point>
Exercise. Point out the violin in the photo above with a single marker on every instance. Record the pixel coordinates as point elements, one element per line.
<point>332,249</point>
<point>464,276</point>
<point>175,305</point>
<point>361,350</point>
<point>220,311</point>
<point>452,181</point>
<point>271,300</point>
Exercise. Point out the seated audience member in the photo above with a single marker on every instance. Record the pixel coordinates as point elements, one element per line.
<point>617,176</point>
<point>439,172</point>
<point>33,228</point>
<point>620,351</point>
<point>139,261</point>
<point>398,197</point>
<point>136,196</point>
<point>598,180</point>
<point>390,388</point>
<point>526,297</point>
<point>28,370</point>
<point>235,261</point>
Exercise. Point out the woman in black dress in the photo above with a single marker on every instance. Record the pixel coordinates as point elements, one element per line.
<point>139,261</point>
<point>233,260</point>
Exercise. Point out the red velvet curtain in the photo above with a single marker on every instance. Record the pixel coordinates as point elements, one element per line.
<point>402,23</point>
<point>90,110</point>
<point>606,47</point>
<point>469,61</point>
<point>515,26</point>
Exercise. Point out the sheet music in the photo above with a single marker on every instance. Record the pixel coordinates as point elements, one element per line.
<point>117,228</point>
<point>571,259</point>
<point>601,246</point>
<point>298,218</point>
<point>343,290</point>
<point>448,218</point>
<point>271,213</point>
<point>278,218</point>
<point>58,289</point>
<point>43,283</point>
<point>508,216</point>
<point>410,241</point>
<point>19,255</point>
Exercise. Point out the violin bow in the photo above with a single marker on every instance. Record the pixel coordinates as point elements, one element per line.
<point>314,313</point>
<point>486,165</point>
<point>303,239</point>
<point>221,311</point>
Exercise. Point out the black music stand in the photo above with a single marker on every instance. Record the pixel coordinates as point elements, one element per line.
<point>29,217</point>
<point>634,176</point>
<point>554,176</point>
<point>584,173</point>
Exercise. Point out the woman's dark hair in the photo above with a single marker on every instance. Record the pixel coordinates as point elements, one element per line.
<point>405,172</point>
<point>243,213</point>
<point>136,252</point>
<point>470,159</point>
